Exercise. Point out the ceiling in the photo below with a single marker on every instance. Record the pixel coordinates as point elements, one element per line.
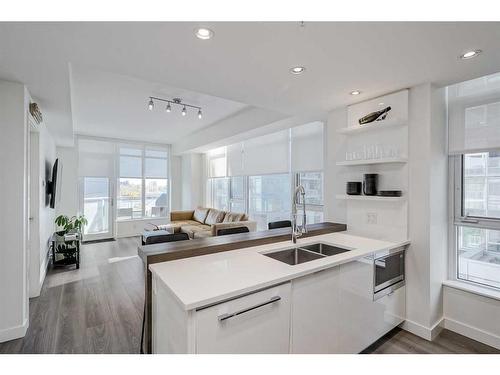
<point>111,105</point>
<point>245,62</point>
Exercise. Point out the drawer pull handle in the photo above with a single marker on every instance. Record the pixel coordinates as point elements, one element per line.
<point>227,316</point>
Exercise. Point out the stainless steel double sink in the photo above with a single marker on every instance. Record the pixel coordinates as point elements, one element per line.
<point>306,253</point>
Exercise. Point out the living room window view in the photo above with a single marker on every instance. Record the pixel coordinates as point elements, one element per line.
<point>250,194</point>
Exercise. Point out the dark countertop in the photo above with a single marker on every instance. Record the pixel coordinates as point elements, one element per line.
<point>184,249</point>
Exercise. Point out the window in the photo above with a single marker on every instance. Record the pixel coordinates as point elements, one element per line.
<point>477,218</point>
<point>269,198</point>
<point>130,198</point>
<point>238,194</point>
<point>313,186</point>
<point>143,182</point>
<point>219,189</point>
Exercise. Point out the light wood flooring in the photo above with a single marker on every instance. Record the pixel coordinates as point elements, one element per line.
<point>98,309</point>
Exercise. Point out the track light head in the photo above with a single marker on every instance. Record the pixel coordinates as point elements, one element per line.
<point>184,111</point>
<point>168,109</point>
<point>199,113</point>
<point>151,105</point>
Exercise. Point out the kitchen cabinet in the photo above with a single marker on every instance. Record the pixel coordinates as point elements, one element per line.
<point>258,322</point>
<point>255,323</point>
<point>363,321</point>
<point>328,311</point>
<point>315,311</point>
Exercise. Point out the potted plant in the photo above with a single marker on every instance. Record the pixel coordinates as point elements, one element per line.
<point>72,224</point>
<point>65,225</point>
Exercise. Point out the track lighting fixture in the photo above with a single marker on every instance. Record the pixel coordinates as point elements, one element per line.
<point>174,101</point>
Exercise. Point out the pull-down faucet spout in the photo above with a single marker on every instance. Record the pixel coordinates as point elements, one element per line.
<point>297,230</point>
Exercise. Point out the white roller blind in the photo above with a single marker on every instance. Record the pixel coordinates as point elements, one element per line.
<point>235,160</point>
<point>216,160</point>
<point>267,154</point>
<point>155,163</point>
<point>474,115</point>
<point>95,158</point>
<point>307,147</point>
<point>130,161</point>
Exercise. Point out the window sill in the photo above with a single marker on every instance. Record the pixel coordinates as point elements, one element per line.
<point>475,289</point>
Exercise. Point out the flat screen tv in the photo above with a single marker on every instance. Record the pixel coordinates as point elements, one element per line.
<point>54,185</point>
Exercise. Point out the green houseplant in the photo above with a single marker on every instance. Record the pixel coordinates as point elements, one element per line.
<point>68,250</point>
<point>72,224</point>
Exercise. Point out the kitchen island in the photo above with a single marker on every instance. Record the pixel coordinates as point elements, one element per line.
<point>151,254</point>
<point>244,301</point>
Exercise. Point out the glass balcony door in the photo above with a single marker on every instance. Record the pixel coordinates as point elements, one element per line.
<point>96,203</point>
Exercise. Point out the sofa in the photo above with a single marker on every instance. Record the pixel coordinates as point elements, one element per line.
<point>205,222</point>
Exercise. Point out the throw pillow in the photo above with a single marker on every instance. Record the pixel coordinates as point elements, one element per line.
<point>200,214</point>
<point>214,216</point>
<point>232,217</point>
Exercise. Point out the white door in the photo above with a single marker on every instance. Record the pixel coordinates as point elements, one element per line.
<point>256,323</point>
<point>96,203</point>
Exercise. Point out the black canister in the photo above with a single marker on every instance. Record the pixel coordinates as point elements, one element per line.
<point>353,188</point>
<point>370,184</point>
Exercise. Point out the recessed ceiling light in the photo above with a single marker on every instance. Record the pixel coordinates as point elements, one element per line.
<point>355,92</point>
<point>203,33</point>
<point>470,54</point>
<point>297,70</point>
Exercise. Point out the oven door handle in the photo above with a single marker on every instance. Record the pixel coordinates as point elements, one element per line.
<point>380,263</point>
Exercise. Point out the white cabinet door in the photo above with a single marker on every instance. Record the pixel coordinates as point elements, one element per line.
<point>255,323</point>
<point>315,312</point>
<point>363,321</point>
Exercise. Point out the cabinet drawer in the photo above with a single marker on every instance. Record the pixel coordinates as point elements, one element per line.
<point>255,323</point>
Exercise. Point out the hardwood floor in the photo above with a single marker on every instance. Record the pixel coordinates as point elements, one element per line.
<point>399,341</point>
<point>98,309</point>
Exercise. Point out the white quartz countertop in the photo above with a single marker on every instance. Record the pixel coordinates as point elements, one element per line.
<point>207,279</point>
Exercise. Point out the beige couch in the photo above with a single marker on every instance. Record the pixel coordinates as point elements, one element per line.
<point>205,222</point>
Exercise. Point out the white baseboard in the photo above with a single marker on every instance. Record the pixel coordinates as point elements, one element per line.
<point>472,332</point>
<point>14,332</point>
<point>428,333</point>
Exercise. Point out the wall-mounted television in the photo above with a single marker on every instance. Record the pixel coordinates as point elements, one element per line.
<point>54,185</point>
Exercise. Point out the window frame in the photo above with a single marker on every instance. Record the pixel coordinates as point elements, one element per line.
<point>244,200</point>
<point>294,181</point>
<point>311,206</point>
<point>461,219</point>
<point>143,147</point>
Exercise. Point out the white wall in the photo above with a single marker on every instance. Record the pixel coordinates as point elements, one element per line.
<point>43,155</point>
<point>386,220</point>
<point>426,262</point>
<point>473,315</point>
<point>13,222</point>
<point>68,203</point>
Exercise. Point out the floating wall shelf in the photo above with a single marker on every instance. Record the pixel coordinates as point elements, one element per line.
<point>373,161</point>
<point>370,198</point>
<point>372,126</point>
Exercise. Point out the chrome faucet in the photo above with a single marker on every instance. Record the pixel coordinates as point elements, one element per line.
<point>296,230</point>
